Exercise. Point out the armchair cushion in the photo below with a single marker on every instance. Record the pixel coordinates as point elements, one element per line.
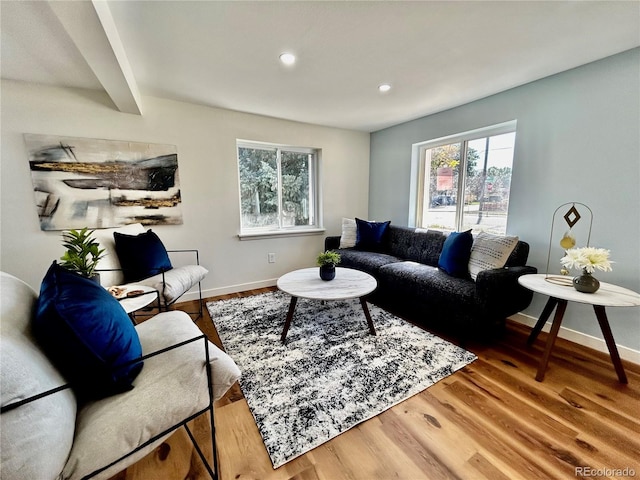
<point>36,438</point>
<point>86,333</point>
<point>108,428</point>
<point>141,256</point>
<point>177,281</point>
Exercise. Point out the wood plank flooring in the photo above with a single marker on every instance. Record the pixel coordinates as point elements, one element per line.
<point>490,420</point>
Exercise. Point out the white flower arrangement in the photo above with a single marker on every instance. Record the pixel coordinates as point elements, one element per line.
<point>588,259</point>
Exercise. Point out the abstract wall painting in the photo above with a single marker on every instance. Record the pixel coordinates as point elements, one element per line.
<point>94,183</point>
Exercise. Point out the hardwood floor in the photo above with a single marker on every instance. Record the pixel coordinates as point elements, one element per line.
<point>490,420</point>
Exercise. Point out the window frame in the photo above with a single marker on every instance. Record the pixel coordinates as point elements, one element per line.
<point>315,209</point>
<point>418,166</point>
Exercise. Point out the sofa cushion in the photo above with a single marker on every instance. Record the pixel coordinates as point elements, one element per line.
<point>369,235</point>
<point>109,266</point>
<point>349,233</point>
<point>454,258</point>
<point>490,251</point>
<point>86,334</point>
<point>36,437</point>
<point>172,387</point>
<point>141,256</point>
<point>368,262</point>
<point>422,246</point>
<point>416,280</point>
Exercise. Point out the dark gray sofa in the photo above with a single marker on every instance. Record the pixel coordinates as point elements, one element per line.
<point>410,282</point>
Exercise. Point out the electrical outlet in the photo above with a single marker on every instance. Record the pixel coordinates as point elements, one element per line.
<point>271,257</point>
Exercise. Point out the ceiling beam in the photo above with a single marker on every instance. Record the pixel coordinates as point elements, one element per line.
<point>91,27</point>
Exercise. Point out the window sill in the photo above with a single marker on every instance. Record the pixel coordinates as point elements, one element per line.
<point>280,233</point>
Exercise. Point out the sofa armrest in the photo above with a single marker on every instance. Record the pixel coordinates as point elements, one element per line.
<point>332,242</point>
<point>499,292</point>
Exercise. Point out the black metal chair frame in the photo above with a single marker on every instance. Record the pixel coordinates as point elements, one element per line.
<point>162,306</point>
<point>199,311</point>
<point>213,471</point>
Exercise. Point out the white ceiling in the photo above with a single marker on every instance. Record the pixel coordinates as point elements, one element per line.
<point>435,54</point>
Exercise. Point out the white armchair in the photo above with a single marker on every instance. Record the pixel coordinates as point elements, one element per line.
<point>48,434</point>
<point>187,273</point>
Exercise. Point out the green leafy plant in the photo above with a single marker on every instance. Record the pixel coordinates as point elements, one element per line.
<point>328,258</point>
<point>83,252</point>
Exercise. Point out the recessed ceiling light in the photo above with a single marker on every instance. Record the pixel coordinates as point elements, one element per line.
<point>385,87</point>
<point>288,58</point>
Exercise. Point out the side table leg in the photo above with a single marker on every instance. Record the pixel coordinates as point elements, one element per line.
<point>544,316</point>
<point>551,339</point>
<point>287,323</point>
<point>611,344</point>
<point>363,302</point>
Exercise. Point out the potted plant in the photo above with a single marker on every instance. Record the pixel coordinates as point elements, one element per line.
<point>327,262</point>
<point>83,253</point>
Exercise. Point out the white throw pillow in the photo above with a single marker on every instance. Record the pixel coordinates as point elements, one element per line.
<point>490,251</point>
<point>349,233</point>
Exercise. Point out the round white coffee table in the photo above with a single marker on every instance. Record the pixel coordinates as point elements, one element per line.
<point>608,295</point>
<point>306,283</point>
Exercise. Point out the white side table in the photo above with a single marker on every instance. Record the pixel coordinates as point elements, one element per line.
<point>306,283</point>
<point>608,295</point>
<point>132,304</point>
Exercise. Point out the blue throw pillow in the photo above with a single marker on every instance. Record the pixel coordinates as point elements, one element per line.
<point>86,334</point>
<point>141,256</point>
<point>369,235</point>
<point>454,258</point>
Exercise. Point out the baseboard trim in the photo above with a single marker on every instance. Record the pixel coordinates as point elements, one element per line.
<point>240,287</point>
<point>580,338</point>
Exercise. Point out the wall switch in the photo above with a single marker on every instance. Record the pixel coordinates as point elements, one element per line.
<point>272,257</point>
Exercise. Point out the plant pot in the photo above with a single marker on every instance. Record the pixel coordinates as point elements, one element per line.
<point>327,272</point>
<point>95,277</point>
<point>586,283</point>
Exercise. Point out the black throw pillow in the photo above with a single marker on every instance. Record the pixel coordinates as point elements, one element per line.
<point>141,256</point>
<point>369,235</point>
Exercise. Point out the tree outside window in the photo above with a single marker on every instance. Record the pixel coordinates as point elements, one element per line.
<point>277,187</point>
<point>478,199</point>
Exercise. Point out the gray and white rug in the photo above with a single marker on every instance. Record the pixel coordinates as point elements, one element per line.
<point>331,374</point>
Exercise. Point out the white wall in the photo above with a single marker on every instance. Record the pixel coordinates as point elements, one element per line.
<point>578,139</point>
<point>206,142</point>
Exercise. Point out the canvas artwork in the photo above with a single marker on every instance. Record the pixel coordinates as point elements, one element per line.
<point>94,183</point>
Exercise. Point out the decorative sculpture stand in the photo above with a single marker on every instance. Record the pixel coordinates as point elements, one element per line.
<point>553,286</point>
<point>568,239</point>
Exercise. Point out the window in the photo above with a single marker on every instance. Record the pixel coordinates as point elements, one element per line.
<point>278,188</point>
<point>465,180</point>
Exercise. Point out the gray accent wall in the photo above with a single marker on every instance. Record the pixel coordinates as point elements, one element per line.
<point>577,140</point>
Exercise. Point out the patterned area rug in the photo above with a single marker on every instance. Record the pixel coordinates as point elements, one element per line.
<point>331,374</point>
